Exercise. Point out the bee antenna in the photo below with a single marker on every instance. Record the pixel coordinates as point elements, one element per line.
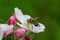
<point>36,17</point>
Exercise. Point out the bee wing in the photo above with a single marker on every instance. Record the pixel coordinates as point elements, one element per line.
<point>38,28</point>
<point>19,15</point>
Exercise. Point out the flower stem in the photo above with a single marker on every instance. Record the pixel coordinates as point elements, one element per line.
<point>14,33</point>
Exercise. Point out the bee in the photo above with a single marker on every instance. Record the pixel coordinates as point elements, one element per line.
<point>33,21</point>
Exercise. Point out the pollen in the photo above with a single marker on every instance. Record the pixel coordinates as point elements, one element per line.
<point>27,24</point>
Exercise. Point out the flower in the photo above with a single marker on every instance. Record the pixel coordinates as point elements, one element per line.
<point>37,29</point>
<point>23,19</point>
<point>20,32</point>
<point>5,30</point>
<point>27,37</point>
<point>11,20</point>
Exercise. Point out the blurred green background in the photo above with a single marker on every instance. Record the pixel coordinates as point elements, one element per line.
<point>48,12</point>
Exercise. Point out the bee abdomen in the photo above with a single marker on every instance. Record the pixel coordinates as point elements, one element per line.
<point>35,23</point>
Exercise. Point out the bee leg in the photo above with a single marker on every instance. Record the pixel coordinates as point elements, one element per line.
<point>32,26</point>
<point>39,25</point>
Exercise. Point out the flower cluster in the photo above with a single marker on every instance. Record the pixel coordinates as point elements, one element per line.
<point>25,23</point>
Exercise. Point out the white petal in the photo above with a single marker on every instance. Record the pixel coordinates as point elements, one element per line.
<point>37,29</point>
<point>21,25</point>
<point>27,16</point>
<point>5,27</point>
<point>1,34</point>
<point>18,11</point>
<point>19,16</point>
<point>41,26</point>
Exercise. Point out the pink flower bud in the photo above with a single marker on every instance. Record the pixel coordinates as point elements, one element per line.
<point>11,20</point>
<point>20,32</point>
<point>27,37</point>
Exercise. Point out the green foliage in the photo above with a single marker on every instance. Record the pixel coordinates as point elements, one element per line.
<point>48,12</point>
